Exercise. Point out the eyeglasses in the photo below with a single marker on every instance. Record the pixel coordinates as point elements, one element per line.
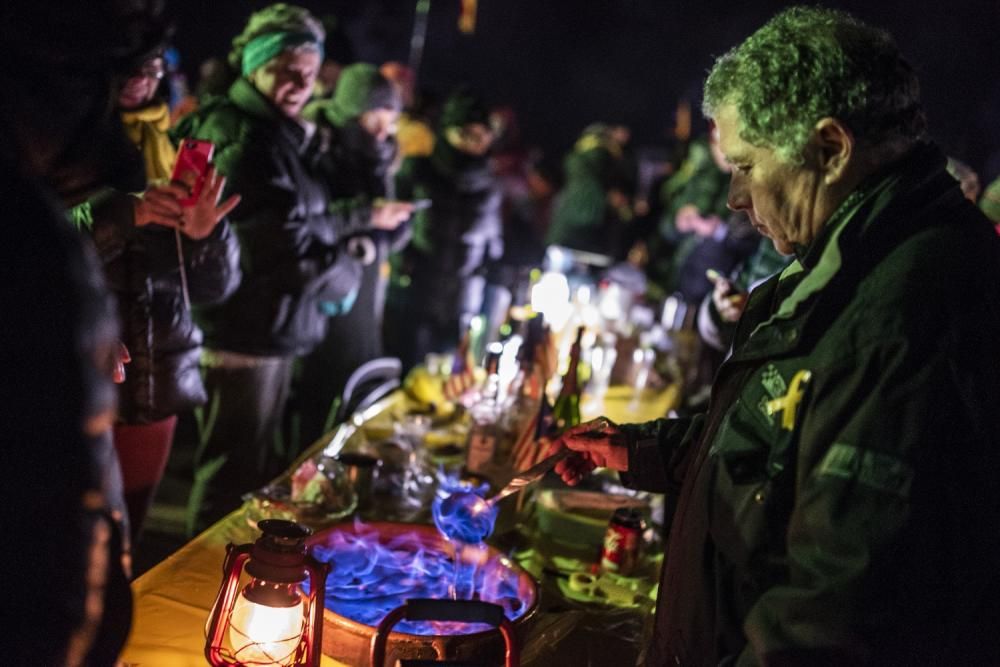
<point>152,69</point>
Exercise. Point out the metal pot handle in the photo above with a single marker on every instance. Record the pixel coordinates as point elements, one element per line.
<point>456,611</point>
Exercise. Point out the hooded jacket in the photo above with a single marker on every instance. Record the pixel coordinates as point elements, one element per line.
<point>838,502</point>
<point>289,224</point>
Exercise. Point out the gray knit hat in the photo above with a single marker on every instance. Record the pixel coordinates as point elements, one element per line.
<point>361,88</point>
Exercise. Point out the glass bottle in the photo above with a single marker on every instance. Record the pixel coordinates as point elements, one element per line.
<point>566,409</point>
<point>524,396</point>
<point>485,430</point>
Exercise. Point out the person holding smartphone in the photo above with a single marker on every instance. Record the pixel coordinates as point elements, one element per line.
<point>362,117</point>
<point>291,229</point>
<point>162,251</point>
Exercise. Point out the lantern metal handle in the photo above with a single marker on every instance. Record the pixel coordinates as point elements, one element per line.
<point>457,611</point>
<point>236,556</point>
<point>318,571</point>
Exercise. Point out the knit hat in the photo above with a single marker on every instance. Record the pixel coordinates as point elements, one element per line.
<point>361,88</point>
<point>462,108</point>
<point>990,203</point>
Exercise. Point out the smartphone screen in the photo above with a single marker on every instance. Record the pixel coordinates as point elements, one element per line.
<point>191,167</point>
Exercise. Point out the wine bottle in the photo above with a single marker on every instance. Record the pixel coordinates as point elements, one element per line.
<point>524,397</point>
<point>485,429</point>
<point>566,409</point>
<point>462,379</point>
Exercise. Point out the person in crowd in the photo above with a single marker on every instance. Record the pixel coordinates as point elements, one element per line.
<point>68,602</point>
<point>990,203</point>
<point>414,134</point>
<point>159,258</point>
<point>438,279</point>
<point>837,503</point>
<point>526,196</point>
<point>290,230</point>
<point>592,209</point>
<point>721,310</point>
<point>967,179</point>
<point>361,117</point>
<point>697,233</point>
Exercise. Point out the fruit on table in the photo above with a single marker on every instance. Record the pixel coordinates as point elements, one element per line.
<point>427,390</point>
<point>423,387</point>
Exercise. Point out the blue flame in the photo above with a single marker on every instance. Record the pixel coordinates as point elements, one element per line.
<point>371,576</point>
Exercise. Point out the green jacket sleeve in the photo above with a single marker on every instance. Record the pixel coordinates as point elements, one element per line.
<point>658,452</point>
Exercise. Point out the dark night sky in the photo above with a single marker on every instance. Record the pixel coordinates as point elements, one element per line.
<point>565,63</point>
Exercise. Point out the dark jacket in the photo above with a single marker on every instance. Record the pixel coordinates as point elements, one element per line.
<point>55,346</point>
<point>362,167</point>
<point>462,230</point>
<point>582,218</point>
<point>858,523</point>
<point>142,269</point>
<point>289,225</point>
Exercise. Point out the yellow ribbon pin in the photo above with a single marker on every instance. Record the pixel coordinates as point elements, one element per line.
<point>789,403</point>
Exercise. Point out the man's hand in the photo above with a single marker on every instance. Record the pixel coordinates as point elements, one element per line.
<point>389,215</point>
<point>598,443</point>
<point>730,304</point>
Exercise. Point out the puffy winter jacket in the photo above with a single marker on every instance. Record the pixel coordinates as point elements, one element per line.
<point>142,268</point>
<point>289,224</point>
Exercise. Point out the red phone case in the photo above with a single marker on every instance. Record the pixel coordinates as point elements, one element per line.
<point>192,165</point>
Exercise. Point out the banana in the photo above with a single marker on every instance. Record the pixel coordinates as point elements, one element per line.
<point>422,387</point>
<point>428,391</point>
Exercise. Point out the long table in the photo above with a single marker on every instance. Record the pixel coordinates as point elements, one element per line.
<point>173,599</point>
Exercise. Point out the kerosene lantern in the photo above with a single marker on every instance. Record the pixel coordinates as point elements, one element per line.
<point>271,620</point>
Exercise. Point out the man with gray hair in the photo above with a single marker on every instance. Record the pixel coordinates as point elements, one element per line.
<point>838,503</point>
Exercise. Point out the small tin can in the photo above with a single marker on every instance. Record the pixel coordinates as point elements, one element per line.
<point>622,540</point>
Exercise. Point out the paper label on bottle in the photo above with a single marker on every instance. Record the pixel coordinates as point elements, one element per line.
<point>482,445</point>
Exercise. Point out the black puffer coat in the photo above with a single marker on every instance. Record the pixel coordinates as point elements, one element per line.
<point>289,224</point>
<point>142,268</point>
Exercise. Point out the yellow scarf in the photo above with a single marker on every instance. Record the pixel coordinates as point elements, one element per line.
<point>147,129</point>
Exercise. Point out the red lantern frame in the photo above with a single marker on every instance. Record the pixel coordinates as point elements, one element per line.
<point>279,555</point>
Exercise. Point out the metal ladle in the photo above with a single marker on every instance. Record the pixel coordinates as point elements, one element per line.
<point>467,517</point>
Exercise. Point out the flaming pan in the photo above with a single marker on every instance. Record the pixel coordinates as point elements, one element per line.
<point>377,566</point>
